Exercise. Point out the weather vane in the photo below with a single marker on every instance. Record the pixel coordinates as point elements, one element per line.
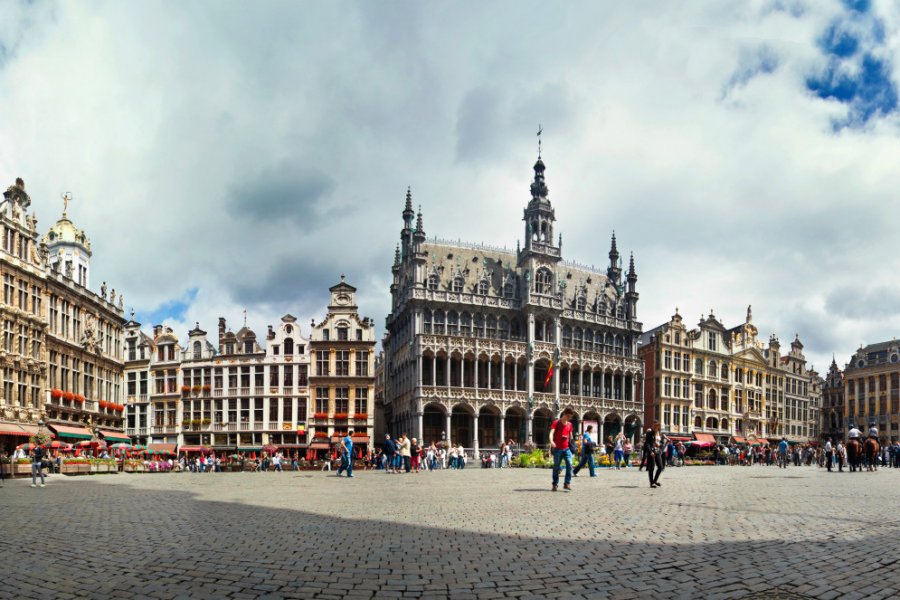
<point>540,131</point>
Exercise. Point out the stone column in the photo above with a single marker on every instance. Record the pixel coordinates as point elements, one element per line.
<point>489,366</point>
<point>448,370</point>
<point>516,375</point>
<point>502,428</point>
<point>475,435</point>
<point>421,424</point>
<point>419,371</point>
<point>529,427</point>
<point>448,427</point>
<point>434,370</point>
<point>530,365</point>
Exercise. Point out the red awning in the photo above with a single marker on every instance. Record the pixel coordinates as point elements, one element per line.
<point>319,446</point>
<point>705,437</point>
<point>188,448</point>
<point>15,429</point>
<point>170,448</point>
<point>363,439</point>
<point>739,440</point>
<point>290,446</point>
<point>114,436</point>
<point>676,438</point>
<point>73,432</point>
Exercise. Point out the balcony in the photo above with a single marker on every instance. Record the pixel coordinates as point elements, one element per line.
<point>163,429</point>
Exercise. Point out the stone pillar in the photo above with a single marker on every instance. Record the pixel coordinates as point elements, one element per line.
<point>528,421</point>
<point>489,365</point>
<point>503,376</point>
<point>502,428</point>
<point>448,427</point>
<point>434,370</point>
<point>475,435</point>
<point>516,375</point>
<point>448,370</point>
<point>419,371</point>
<point>421,429</point>
<point>530,365</point>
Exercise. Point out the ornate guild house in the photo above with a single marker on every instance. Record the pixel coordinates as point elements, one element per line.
<point>485,344</point>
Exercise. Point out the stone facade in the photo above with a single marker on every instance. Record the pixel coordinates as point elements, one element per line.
<point>61,353</point>
<point>872,389</point>
<point>342,378</point>
<point>833,417</point>
<point>727,384</point>
<point>474,329</point>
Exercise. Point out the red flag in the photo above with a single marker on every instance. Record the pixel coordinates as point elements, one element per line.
<point>549,374</point>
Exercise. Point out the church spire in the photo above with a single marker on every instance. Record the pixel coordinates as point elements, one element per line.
<point>419,228</point>
<point>614,271</point>
<point>408,213</point>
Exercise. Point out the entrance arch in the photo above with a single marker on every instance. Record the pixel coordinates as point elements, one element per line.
<point>633,427</point>
<point>434,423</point>
<point>488,427</point>
<point>515,426</point>
<point>612,425</point>
<point>461,422</point>
<point>540,426</point>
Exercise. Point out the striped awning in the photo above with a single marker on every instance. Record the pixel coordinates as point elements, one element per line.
<point>114,436</point>
<point>319,446</point>
<point>705,437</point>
<point>73,432</point>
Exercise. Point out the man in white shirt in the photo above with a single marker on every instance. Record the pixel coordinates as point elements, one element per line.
<point>854,433</point>
<point>829,454</point>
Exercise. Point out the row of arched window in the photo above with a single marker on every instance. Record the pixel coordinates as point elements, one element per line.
<point>482,288</point>
<point>441,322</point>
<point>596,341</point>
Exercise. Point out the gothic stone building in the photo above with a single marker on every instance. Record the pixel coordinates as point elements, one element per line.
<point>485,344</point>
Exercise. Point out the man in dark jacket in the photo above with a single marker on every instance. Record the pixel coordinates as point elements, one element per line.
<point>37,465</point>
<point>388,450</point>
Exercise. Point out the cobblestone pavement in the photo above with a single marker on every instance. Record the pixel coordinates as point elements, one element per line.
<point>709,532</point>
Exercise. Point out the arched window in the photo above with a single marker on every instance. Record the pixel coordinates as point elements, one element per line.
<point>483,287</point>
<point>724,424</point>
<point>712,400</point>
<point>478,326</point>
<point>712,369</point>
<point>724,371</point>
<point>504,328</point>
<point>458,285</point>
<point>288,346</point>
<point>577,338</point>
<point>433,282</point>
<point>580,303</point>
<point>698,366</point>
<point>509,291</point>
<point>601,306</point>
<point>491,326</point>
<point>452,323</point>
<point>288,329</point>
<point>465,324</point>
<point>698,422</point>
<point>543,281</point>
<point>198,350</point>
<point>620,312</point>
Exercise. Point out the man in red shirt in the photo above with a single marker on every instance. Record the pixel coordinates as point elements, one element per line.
<point>560,434</point>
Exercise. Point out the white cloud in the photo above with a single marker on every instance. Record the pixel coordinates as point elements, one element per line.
<point>155,119</point>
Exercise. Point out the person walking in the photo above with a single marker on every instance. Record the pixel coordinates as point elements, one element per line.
<point>2,461</point>
<point>346,455</point>
<point>415,452</point>
<point>587,453</point>
<point>560,434</point>
<point>387,451</point>
<point>37,465</point>
<point>829,454</point>
<point>654,455</point>
<point>405,452</point>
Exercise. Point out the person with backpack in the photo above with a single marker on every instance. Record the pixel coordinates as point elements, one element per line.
<point>560,434</point>
<point>587,453</point>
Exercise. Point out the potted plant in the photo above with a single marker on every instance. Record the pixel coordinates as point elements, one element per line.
<point>56,394</point>
<point>68,396</point>
<point>207,388</point>
<point>205,422</point>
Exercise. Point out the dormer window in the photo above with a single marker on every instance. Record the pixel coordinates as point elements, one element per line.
<point>229,348</point>
<point>580,303</point>
<point>543,281</point>
<point>275,349</point>
<point>433,282</point>
<point>325,334</point>
<point>248,347</point>
<point>342,334</point>
<point>198,350</point>
<point>458,285</point>
<point>508,290</point>
<point>483,287</point>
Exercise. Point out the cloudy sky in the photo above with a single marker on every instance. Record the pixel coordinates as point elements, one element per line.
<point>225,157</point>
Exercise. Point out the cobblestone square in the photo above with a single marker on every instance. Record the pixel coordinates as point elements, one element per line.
<point>709,532</point>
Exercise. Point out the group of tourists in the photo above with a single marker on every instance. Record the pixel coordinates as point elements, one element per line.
<point>408,455</point>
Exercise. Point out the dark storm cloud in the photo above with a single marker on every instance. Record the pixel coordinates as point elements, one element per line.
<point>296,194</point>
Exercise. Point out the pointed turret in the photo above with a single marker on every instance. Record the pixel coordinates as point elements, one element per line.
<point>631,296</point>
<point>614,271</point>
<point>408,213</point>
<point>539,218</point>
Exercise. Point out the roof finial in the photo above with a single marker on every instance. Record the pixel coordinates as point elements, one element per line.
<point>631,272</point>
<point>245,317</point>
<point>539,132</point>
<point>419,227</point>
<point>66,198</point>
<point>408,197</point>
<point>132,313</point>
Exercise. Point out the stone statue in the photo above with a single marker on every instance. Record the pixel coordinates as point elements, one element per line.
<point>103,290</point>
<point>112,296</point>
<point>121,301</point>
<point>69,269</point>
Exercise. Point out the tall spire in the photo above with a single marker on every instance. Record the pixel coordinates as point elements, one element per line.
<point>539,188</point>
<point>397,255</point>
<point>419,228</point>
<point>613,251</point>
<point>408,213</point>
<point>631,272</point>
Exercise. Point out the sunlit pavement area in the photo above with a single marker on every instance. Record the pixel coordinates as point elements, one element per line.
<point>708,532</point>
